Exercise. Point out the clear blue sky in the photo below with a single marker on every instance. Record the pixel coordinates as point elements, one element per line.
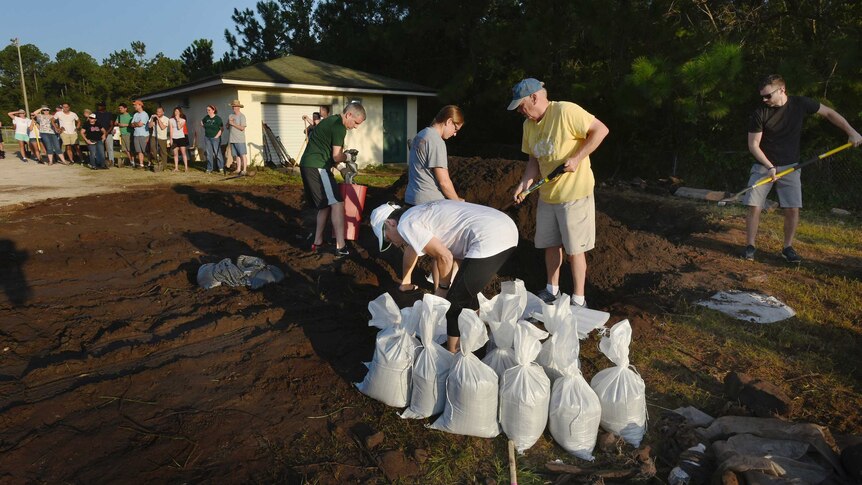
<point>99,28</point>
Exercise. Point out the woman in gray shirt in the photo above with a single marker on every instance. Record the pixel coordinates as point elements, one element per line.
<point>428,164</point>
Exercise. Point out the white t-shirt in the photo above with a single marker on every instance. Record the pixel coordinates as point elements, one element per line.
<point>467,230</point>
<point>162,134</point>
<point>21,125</point>
<point>67,121</point>
<point>177,128</point>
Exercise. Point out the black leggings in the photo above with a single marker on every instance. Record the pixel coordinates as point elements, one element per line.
<point>473,275</point>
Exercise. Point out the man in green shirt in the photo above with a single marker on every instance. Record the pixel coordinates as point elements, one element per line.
<point>325,150</point>
<point>123,120</point>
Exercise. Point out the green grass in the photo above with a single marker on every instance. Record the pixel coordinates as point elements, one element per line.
<point>813,356</point>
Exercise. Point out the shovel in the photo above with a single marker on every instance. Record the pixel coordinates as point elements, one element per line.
<point>788,170</point>
<point>556,173</point>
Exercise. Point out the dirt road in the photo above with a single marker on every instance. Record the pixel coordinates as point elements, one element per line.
<point>31,182</point>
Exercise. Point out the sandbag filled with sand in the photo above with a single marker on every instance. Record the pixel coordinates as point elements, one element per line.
<point>471,388</point>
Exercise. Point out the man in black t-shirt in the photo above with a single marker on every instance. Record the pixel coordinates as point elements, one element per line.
<point>774,133</point>
<point>105,119</point>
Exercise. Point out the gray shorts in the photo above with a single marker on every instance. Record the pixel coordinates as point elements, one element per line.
<point>141,144</point>
<point>570,224</point>
<point>238,149</point>
<point>126,140</point>
<point>789,188</point>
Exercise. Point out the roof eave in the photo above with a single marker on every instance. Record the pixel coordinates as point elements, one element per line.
<point>268,84</point>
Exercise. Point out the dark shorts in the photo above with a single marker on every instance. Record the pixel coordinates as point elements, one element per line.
<point>181,142</point>
<point>472,277</point>
<point>321,190</point>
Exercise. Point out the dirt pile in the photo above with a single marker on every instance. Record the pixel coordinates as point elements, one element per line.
<point>635,251</point>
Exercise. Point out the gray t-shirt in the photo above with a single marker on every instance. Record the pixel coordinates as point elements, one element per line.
<point>235,135</point>
<point>427,152</point>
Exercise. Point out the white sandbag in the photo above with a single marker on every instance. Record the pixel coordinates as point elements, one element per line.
<point>389,372</point>
<point>527,303</point>
<point>525,390</point>
<point>502,313</point>
<point>500,358</point>
<point>556,317</point>
<point>620,389</point>
<point>471,389</point>
<point>501,352</point>
<point>587,320</point>
<point>575,410</point>
<point>428,396</point>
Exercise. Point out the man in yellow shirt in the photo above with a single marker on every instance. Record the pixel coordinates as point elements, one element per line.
<point>560,133</point>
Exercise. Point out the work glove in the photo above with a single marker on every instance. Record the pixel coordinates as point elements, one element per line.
<point>351,155</point>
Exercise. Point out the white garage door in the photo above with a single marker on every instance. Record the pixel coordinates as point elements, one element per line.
<point>285,120</point>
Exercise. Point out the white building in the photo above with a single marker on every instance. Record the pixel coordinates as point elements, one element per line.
<point>281,91</point>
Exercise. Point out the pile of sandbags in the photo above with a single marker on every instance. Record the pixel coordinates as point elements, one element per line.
<point>521,386</point>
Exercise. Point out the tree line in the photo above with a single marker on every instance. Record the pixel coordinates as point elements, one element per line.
<point>675,80</point>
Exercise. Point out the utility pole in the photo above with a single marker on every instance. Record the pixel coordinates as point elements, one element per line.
<point>21,69</point>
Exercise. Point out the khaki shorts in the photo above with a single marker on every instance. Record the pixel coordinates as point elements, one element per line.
<point>570,224</point>
<point>789,188</point>
<point>69,138</point>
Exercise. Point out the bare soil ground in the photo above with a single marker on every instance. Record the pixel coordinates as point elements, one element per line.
<point>116,368</point>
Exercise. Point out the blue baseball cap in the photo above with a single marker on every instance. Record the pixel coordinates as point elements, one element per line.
<point>523,89</point>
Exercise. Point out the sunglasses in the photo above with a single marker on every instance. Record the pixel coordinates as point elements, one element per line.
<point>767,97</point>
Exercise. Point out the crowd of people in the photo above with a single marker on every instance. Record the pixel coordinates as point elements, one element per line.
<point>145,141</point>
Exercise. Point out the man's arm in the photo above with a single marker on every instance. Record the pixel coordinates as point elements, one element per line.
<point>754,148</point>
<point>442,176</point>
<point>338,154</point>
<point>235,125</point>
<point>531,174</point>
<point>595,134</point>
<point>408,263</point>
<point>836,119</point>
<point>444,261</point>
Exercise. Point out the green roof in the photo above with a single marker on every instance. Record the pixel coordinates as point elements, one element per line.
<point>300,70</point>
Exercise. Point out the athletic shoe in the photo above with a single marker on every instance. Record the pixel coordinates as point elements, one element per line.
<point>547,297</point>
<point>342,252</point>
<point>790,255</point>
<point>748,254</point>
<point>575,305</point>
